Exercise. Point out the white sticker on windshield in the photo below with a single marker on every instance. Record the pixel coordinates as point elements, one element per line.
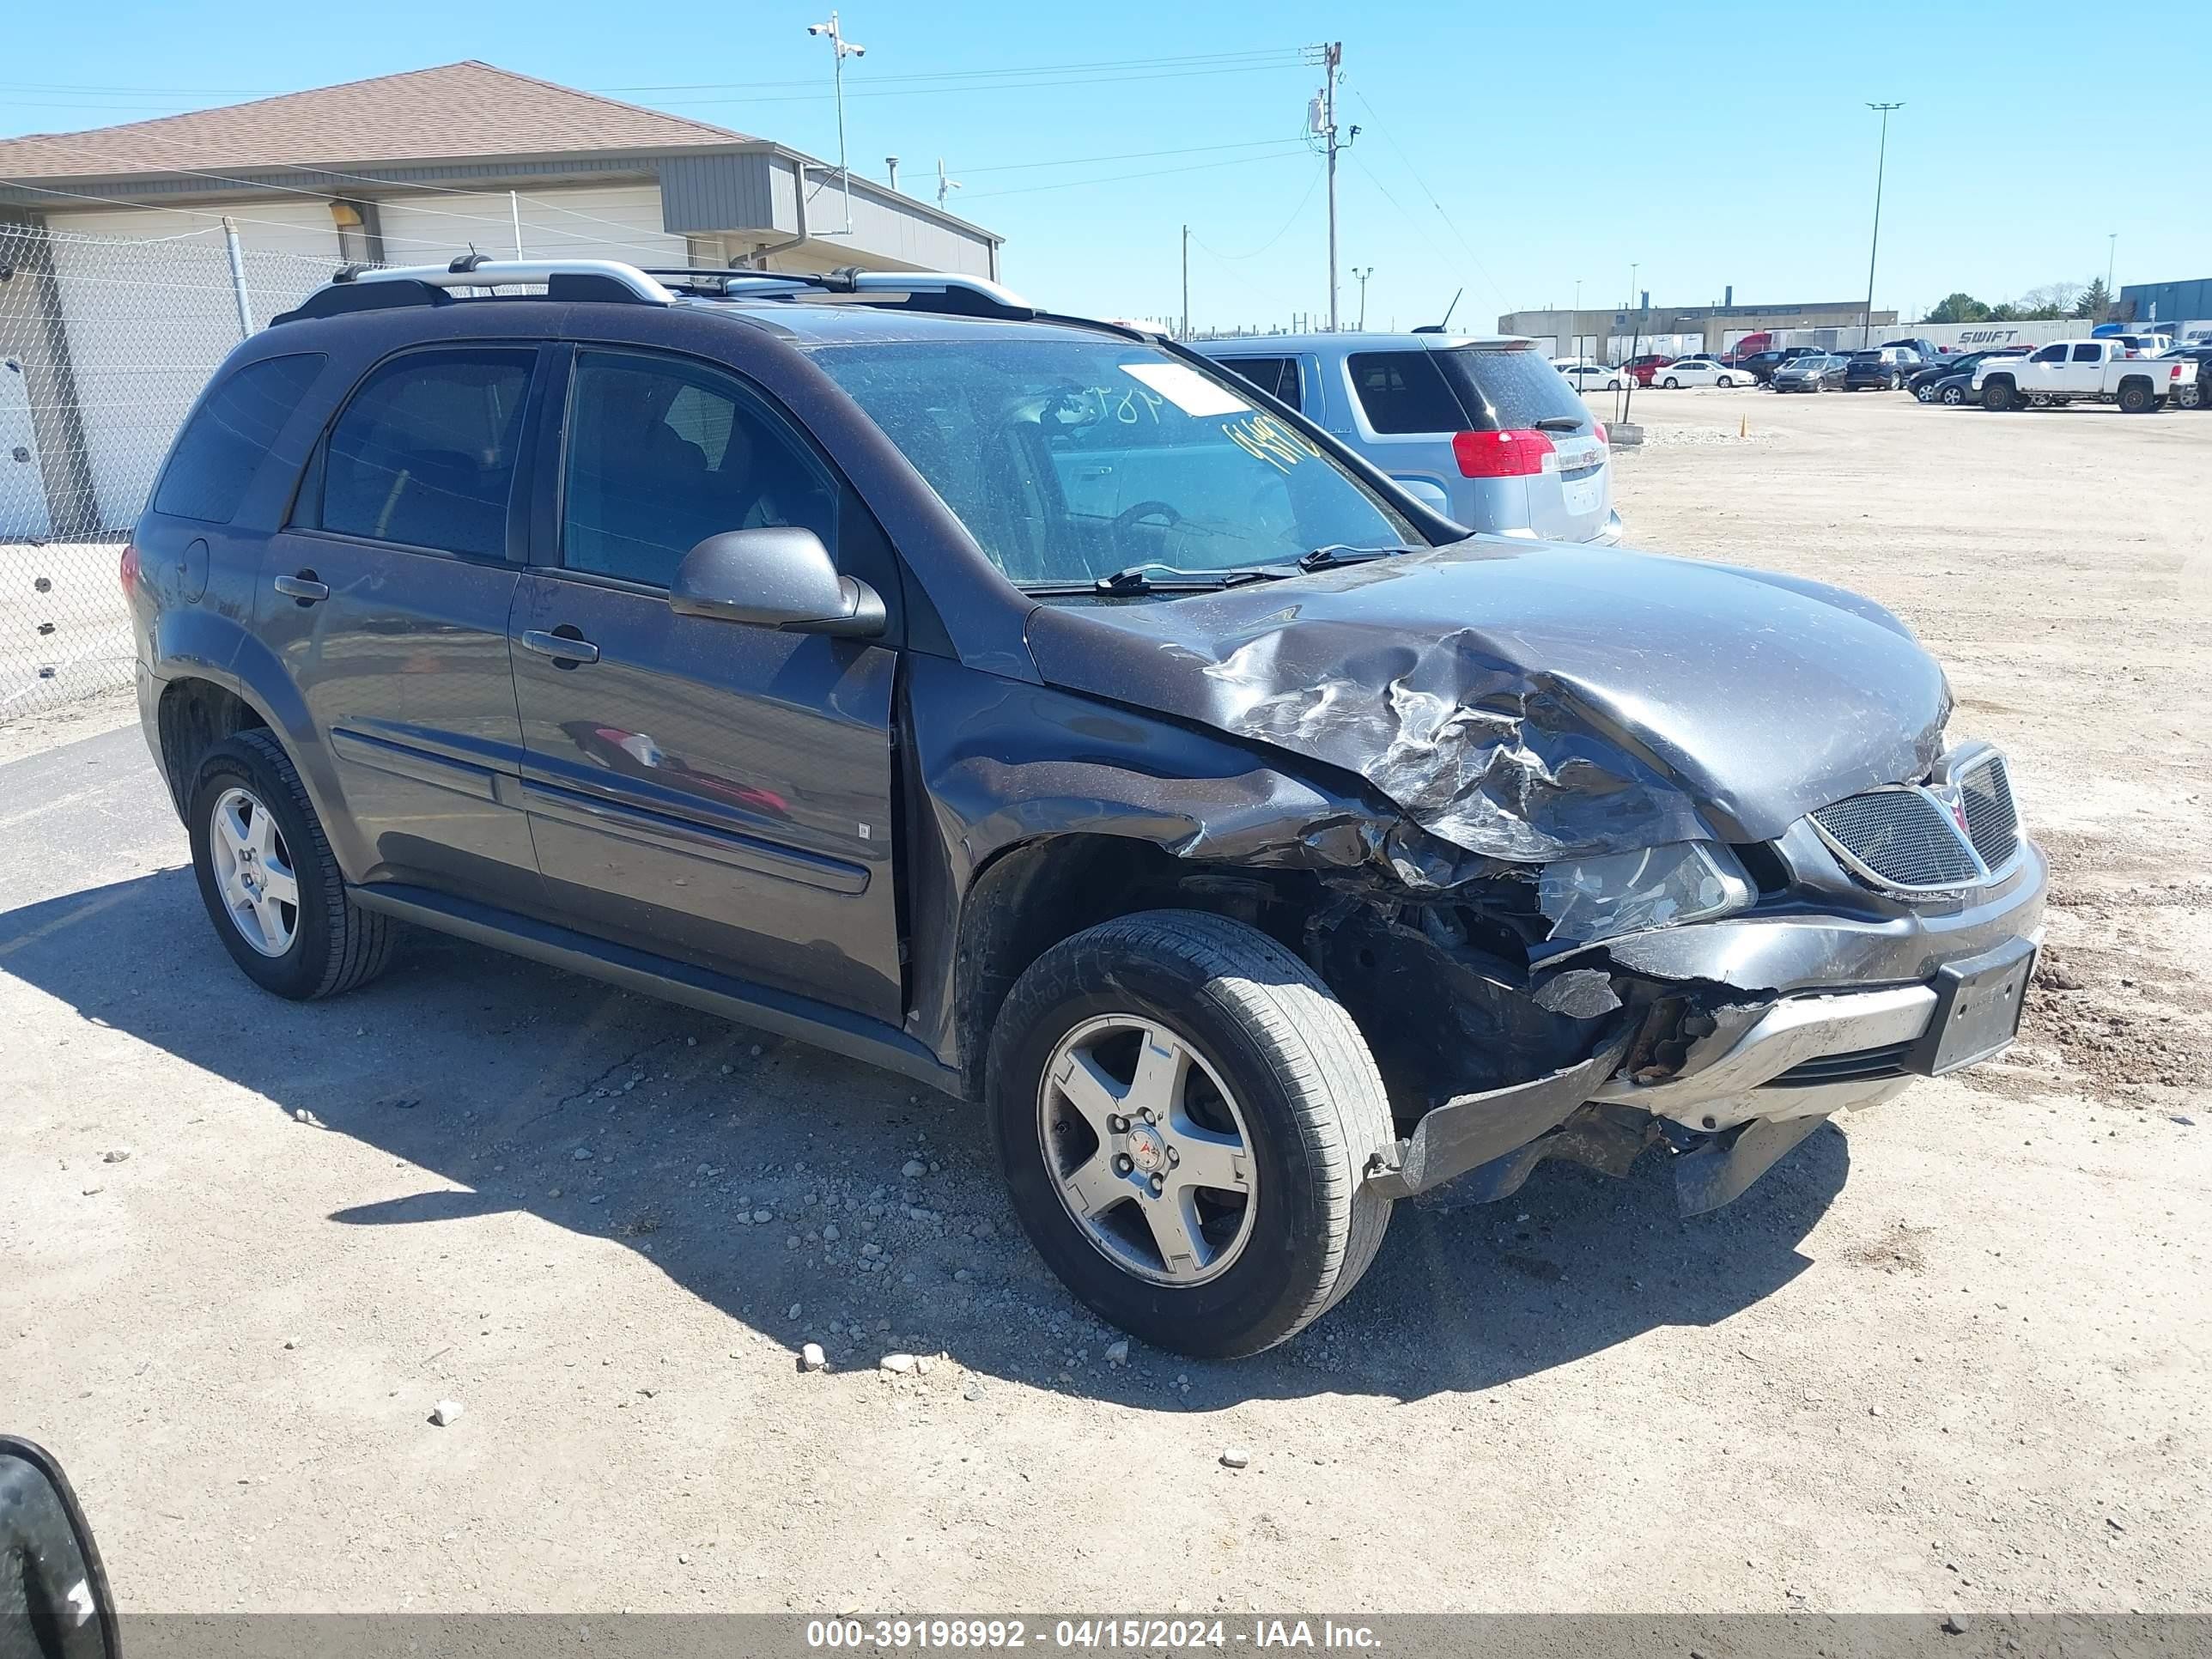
<point>1186,389</point>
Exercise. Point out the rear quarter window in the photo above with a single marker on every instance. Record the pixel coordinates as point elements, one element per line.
<point>1406,392</point>
<point>222,445</point>
<point>1511,391</point>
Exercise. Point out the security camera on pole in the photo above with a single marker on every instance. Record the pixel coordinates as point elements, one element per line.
<point>840,49</point>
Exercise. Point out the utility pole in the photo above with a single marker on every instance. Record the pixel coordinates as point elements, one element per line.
<point>1185,335</point>
<point>1873,243</point>
<point>840,49</point>
<point>2111,253</point>
<point>1363,275</point>
<point>1321,120</point>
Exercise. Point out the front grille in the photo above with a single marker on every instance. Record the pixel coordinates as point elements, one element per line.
<point>1903,836</point>
<point>1986,794</point>
<point>1859,1066</point>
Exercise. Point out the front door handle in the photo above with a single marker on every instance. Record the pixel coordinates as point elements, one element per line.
<point>303,587</point>
<point>567,649</point>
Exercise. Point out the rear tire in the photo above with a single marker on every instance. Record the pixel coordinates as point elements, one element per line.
<point>1274,1063</point>
<point>2136,399</point>
<point>1671,383</point>
<point>255,838</point>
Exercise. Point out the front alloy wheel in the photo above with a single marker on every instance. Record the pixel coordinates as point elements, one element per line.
<point>1185,1115</point>
<point>1148,1148</point>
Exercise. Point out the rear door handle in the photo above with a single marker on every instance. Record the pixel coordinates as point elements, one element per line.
<point>303,587</point>
<point>560,647</point>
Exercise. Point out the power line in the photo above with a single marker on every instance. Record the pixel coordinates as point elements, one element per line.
<point>1449,224</point>
<point>1312,185</point>
<point>1156,173</point>
<point>1127,155</point>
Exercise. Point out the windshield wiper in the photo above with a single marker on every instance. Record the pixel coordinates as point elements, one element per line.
<point>1560,424</point>
<point>1342,553</point>
<point>1155,578</point>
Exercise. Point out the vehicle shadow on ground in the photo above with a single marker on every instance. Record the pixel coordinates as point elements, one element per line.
<point>624,1118</point>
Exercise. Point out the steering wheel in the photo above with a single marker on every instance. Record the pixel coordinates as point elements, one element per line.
<point>1130,517</point>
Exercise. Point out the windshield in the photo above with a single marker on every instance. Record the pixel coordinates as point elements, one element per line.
<point>1070,459</point>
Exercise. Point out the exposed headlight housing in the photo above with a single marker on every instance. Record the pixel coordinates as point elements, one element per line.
<point>1596,898</point>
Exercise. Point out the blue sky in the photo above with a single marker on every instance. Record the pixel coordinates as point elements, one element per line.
<point>1513,150</point>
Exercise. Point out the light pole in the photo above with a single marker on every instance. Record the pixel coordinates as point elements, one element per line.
<point>1873,243</point>
<point>840,49</point>
<point>2111,253</point>
<point>1363,275</point>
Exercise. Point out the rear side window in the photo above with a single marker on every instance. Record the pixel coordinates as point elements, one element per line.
<point>1276,376</point>
<point>424,453</point>
<point>221,446</point>
<point>1405,391</point>
<point>2085,353</point>
<point>1511,391</point>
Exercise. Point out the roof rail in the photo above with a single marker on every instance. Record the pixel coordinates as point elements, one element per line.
<point>359,288</point>
<point>952,291</point>
<point>474,270</point>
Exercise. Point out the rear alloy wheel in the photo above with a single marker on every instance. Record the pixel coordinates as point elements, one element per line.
<point>1184,1114</point>
<point>269,879</point>
<point>1671,383</point>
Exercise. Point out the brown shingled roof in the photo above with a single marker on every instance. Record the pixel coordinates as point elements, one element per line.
<point>468,109</point>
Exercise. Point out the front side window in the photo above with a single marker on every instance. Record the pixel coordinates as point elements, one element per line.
<point>663,454</point>
<point>1069,458</point>
<point>424,453</point>
<point>2049,354</point>
<point>221,447</point>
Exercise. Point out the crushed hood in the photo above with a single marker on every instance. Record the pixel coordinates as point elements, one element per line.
<point>1529,701</point>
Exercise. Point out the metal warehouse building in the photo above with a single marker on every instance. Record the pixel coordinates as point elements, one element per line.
<point>2165,302</point>
<point>118,292</point>
<point>1607,334</point>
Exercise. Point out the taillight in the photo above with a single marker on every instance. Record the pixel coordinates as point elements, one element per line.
<point>1598,427</point>
<point>1503,455</point>
<point>2174,374</point>
<point>128,573</point>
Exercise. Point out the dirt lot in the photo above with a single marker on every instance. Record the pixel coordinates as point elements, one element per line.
<point>1949,1355</point>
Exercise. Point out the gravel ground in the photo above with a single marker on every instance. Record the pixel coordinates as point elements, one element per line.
<point>1948,1356</point>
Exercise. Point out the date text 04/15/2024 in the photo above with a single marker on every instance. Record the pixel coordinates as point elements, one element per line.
<point>1080,1635</point>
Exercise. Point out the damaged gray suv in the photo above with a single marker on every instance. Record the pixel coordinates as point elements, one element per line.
<point>1030,706</point>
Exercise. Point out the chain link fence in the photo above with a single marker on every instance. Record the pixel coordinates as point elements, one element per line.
<point>104,344</point>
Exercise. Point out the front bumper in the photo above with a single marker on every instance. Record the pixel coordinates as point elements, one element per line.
<point>1805,1014</point>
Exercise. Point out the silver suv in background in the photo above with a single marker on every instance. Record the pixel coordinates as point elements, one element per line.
<point>1484,431</point>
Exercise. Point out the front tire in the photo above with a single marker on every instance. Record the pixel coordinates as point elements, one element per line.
<point>1998,395</point>
<point>269,879</point>
<point>1725,380</point>
<point>1954,396</point>
<point>1926,394</point>
<point>1183,1113</point>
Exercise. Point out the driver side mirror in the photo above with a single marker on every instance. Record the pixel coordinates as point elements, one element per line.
<point>54,1602</point>
<point>780,578</point>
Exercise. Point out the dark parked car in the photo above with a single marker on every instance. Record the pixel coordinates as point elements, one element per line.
<point>1879,370</point>
<point>1816,372</point>
<point>2195,391</point>
<point>1763,364</point>
<point>1034,709</point>
<point>1930,384</point>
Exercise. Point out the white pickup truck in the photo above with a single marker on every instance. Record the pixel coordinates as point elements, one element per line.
<point>2079,371</point>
